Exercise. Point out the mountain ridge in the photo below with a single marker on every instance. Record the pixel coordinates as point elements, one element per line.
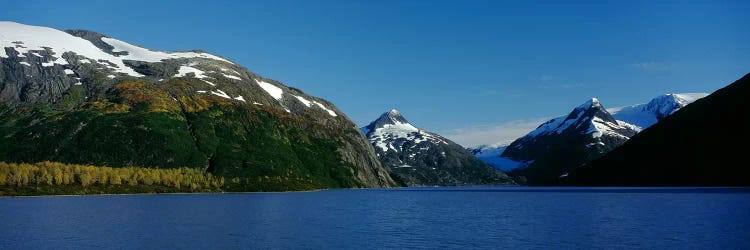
<point>635,117</point>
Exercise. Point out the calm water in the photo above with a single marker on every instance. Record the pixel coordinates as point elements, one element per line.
<point>401,218</point>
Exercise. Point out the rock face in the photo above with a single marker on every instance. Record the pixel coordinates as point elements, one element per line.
<point>560,145</point>
<point>82,97</point>
<point>417,157</point>
<point>695,146</point>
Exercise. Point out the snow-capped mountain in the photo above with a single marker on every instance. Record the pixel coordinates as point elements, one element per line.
<point>420,158</point>
<point>78,96</point>
<point>695,146</point>
<point>561,144</point>
<point>607,129</point>
<point>645,115</point>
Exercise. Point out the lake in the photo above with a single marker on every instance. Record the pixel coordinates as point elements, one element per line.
<point>433,218</point>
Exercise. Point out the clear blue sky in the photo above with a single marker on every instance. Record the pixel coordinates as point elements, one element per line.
<point>445,65</point>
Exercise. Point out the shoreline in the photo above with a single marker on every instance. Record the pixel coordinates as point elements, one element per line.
<point>514,188</point>
<point>176,193</point>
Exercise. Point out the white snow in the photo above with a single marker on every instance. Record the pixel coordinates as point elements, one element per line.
<point>84,61</point>
<point>48,64</point>
<point>111,76</point>
<point>35,38</point>
<point>78,83</point>
<point>69,72</point>
<point>137,53</point>
<point>233,71</point>
<point>647,114</point>
<point>330,112</point>
<point>184,70</point>
<point>304,101</point>
<point>202,91</point>
<point>490,154</point>
<point>240,98</point>
<point>25,63</point>
<point>221,93</point>
<point>36,54</point>
<point>271,89</point>
<point>209,83</point>
<point>232,77</point>
<point>256,103</point>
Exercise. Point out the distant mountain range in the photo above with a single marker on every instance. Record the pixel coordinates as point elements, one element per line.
<point>417,157</point>
<point>81,97</point>
<point>701,144</point>
<point>562,144</point>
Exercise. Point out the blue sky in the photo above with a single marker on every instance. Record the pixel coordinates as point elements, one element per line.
<point>478,71</point>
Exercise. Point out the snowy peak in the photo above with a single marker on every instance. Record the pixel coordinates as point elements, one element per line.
<point>584,119</point>
<point>391,119</point>
<point>391,130</point>
<point>591,103</point>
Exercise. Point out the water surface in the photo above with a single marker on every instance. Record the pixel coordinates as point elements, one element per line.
<point>477,217</point>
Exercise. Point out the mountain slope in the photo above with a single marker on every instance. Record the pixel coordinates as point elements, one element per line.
<point>420,158</point>
<point>699,145</point>
<point>82,97</point>
<point>562,144</point>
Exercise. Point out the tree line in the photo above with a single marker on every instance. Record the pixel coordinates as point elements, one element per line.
<point>57,174</point>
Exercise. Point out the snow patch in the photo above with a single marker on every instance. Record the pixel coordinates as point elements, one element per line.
<point>271,89</point>
<point>184,70</point>
<point>330,112</point>
<point>240,98</point>
<point>304,101</point>
<point>232,77</point>
<point>137,53</point>
<point>25,63</point>
<point>69,72</point>
<point>221,93</point>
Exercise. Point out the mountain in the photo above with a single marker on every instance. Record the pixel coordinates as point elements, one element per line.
<point>645,115</point>
<point>562,144</point>
<point>417,157</point>
<point>635,117</point>
<point>699,145</point>
<point>82,97</point>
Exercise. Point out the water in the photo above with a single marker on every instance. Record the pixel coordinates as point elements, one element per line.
<point>432,218</point>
